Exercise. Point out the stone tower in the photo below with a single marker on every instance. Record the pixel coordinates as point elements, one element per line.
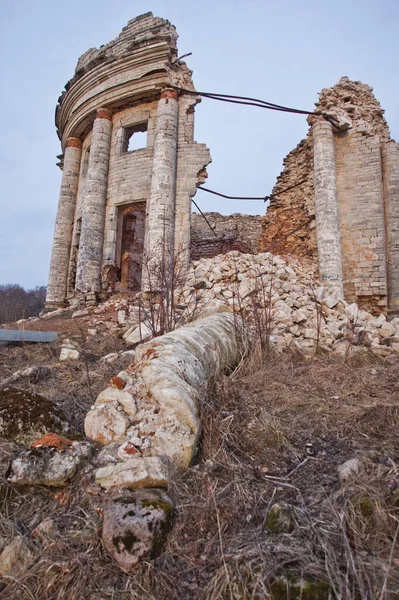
<point>130,164</point>
<point>336,201</point>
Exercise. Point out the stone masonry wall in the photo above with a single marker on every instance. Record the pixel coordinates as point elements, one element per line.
<point>361,211</point>
<point>289,224</point>
<point>233,232</point>
<point>124,88</point>
<point>129,172</point>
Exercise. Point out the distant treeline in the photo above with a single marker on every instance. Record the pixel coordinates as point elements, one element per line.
<point>17,303</point>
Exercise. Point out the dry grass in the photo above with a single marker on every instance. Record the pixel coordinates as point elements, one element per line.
<point>257,423</point>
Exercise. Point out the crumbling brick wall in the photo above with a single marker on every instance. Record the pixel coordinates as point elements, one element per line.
<point>230,232</point>
<point>289,225</point>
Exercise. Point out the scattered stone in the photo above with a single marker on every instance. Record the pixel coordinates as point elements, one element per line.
<point>47,466</point>
<point>34,374</point>
<point>122,317</point>
<point>129,353</point>
<point>15,557</point>
<point>280,518</point>
<point>80,313</point>
<point>53,440</point>
<point>69,350</point>
<point>25,416</point>
<point>110,358</point>
<point>138,335</point>
<point>349,469</point>
<point>135,473</point>
<point>46,530</point>
<point>92,331</point>
<point>135,526</point>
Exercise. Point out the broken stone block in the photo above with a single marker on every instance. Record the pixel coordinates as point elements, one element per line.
<point>15,557</point>
<point>136,472</point>
<point>106,424</point>
<point>137,335</point>
<point>110,358</point>
<point>349,469</point>
<point>123,398</point>
<point>280,518</point>
<point>25,416</point>
<point>69,351</point>
<point>122,317</point>
<point>135,526</point>
<point>386,330</point>
<point>46,466</point>
<point>80,313</point>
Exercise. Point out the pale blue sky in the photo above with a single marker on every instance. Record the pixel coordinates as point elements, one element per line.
<point>282,51</point>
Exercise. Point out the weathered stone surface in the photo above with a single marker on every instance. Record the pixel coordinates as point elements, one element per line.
<point>105,424</point>
<point>135,526</point>
<point>46,466</point>
<point>280,518</point>
<point>136,472</point>
<point>230,232</point>
<point>349,469</point>
<point>137,335</point>
<point>366,165</point>
<point>99,240</point>
<point>15,557</point>
<point>25,416</point>
<point>69,350</point>
<point>122,397</point>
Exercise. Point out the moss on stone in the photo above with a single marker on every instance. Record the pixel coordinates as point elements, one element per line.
<point>282,588</point>
<point>280,519</point>
<point>165,506</point>
<point>26,416</point>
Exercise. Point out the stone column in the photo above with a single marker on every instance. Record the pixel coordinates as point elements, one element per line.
<point>159,234</point>
<point>57,283</point>
<point>88,273</point>
<point>326,201</point>
<point>390,174</point>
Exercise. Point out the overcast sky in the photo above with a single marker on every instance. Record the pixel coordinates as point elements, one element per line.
<point>281,51</point>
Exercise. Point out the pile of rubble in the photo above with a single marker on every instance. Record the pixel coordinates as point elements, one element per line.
<point>295,310</point>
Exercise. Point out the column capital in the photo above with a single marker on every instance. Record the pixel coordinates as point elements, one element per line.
<point>316,120</point>
<point>104,113</point>
<point>73,142</point>
<point>169,93</point>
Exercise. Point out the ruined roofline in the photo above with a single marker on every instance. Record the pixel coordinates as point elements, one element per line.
<point>132,68</point>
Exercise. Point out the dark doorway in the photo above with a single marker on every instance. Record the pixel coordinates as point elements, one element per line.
<point>131,245</point>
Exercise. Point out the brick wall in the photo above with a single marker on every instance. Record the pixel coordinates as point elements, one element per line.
<point>231,232</point>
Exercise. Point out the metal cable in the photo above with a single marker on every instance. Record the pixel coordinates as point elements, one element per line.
<point>243,100</point>
<point>264,198</point>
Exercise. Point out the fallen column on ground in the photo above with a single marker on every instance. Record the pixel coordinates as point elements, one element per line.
<point>148,422</point>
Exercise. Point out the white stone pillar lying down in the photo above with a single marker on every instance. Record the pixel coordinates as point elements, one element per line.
<point>155,408</point>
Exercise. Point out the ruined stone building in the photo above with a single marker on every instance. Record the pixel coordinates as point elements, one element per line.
<point>343,212</point>
<point>131,168</point>
<point>129,160</point>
